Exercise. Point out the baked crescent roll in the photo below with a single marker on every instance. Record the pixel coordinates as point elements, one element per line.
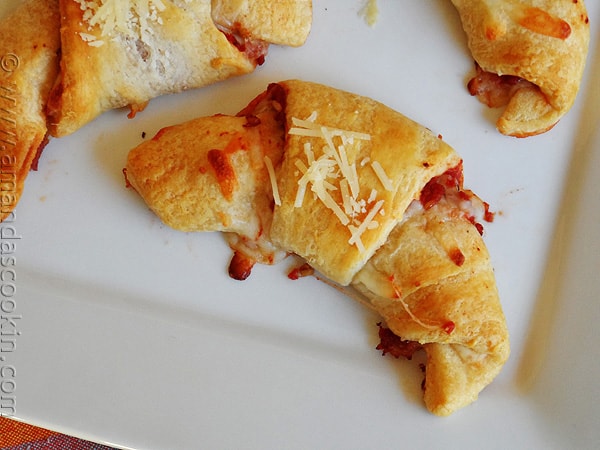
<point>118,53</point>
<point>433,283</point>
<point>530,57</point>
<point>29,42</point>
<point>368,198</point>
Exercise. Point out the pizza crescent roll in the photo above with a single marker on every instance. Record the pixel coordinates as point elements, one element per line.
<point>368,198</point>
<point>29,42</point>
<point>118,53</point>
<point>530,58</point>
<point>432,282</point>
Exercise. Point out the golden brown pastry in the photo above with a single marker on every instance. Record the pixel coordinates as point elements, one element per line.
<point>369,198</point>
<point>433,283</point>
<point>118,53</point>
<point>29,42</point>
<point>389,158</point>
<point>530,57</point>
<point>285,22</point>
<point>347,236</point>
<point>219,182</point>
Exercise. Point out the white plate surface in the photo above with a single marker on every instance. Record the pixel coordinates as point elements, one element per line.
<point>132,334</point>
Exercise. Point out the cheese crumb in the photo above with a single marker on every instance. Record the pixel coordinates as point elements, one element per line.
<point>90,39</point>
<point>369,12</point>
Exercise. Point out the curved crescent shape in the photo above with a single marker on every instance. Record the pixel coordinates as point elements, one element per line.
<point>544,42</point>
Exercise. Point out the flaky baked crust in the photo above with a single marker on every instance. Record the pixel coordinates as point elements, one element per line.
<point>179,178</point>
<point>542,41</point>
<point>29,42</point>
<point>409,154</point>
<point>424,269</point>
<point>285,22</point>
<point>181,48</point>
<point>415,282</point>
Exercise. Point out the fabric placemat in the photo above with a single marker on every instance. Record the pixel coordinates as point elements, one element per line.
<point>15,435</point>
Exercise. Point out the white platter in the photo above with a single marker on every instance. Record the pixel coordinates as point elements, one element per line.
<point>132,334</point>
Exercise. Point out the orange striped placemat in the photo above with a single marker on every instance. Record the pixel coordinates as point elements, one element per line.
<point>15,435</point>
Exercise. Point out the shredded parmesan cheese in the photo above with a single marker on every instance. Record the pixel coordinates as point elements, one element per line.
<point>334,170</point>
<point>301,184</point>
<point>274,187</point>
<point>372,196</point>
<point>91,40</point>
<point>383,178</point>
<point>134,18</point>
<point>358,231</point>
<point>308,127</point>
<point>310,156</point>
<point>346,199</point>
